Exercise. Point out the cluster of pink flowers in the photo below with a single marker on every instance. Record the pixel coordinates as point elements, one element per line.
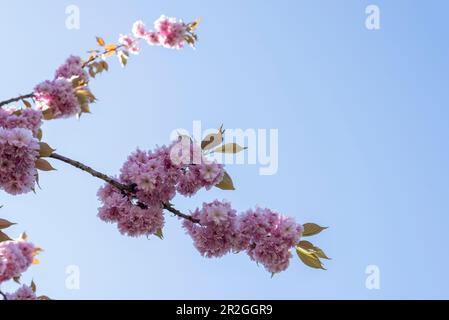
<point>23,293</point>
<point>26,118</point>
<point>19,151</point>
<point>131,44</point>
<point>156,176</point>
<point>198,172</point>
<point>132,220</point>
<point>15,258</point>
<point>216,233</point>
<point>58,95</point>
<point>72,67</point>
<point>265,235</point>
<point>169,32</point>
<point>268,238</point>
<point>197,176</point>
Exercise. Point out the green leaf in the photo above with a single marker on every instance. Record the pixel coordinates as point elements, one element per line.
<point>85,108</point>
<point>213,140</point>
<point>311,229</point>
<point>104,65</point>
<point>123,57</point>
<point>226,183</point>
<point>45,150</point>
<point>230,148</point>
<point>194,24</point>
<point>306,245</point>
<point>309,259</point>
<point>47,114</point>
<point>109,50</point>
<point>33,286</point>
<point>159,234</point>
<point>87,94</point>
<point>39,134</point>
<point>92,71</point>
<point>44,165</point>
<point>5,224</point>
<point>4,237</point>
<point>100,41</point>
<point>27,103</point>
<point>190,40</point>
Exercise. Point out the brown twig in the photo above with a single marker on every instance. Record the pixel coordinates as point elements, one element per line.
<point>99,55</point>
<point>126,189</point>
<point>25,96</point>
<point>178,213</point>
<point>93,172</point>
<point>3,295</point>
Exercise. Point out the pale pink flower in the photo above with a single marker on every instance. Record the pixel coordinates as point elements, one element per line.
<point>57,96</point>
<point>268,238</point>
<point>131,219</point>
<point>23,293</point>
<point>172,32</point>
<point>153,38</point>
<point>154,175</point>
<point>21,118</point>
<point>18,154</point>
<point>17,257</point>
<point>215,234</point>
<point>131,44</point>
<point>139,29</point>
<point>72,67</point>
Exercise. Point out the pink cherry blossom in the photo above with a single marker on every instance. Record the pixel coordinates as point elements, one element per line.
<point>139,29</point>
<point>17,257</point>
<point>131,219</point>
<point>268,237</point>
<point>197,176</point>
<point>154,175</point>
<point>57,96</point>
<point>153,38</point>
<point>131,44</point>
<point>72,67</point>
<point>197,171</point>
<point>23,293</point>
<point>21,118</point>
<point>215,234</point>
<point>18,154</point>
<point>172,32</point>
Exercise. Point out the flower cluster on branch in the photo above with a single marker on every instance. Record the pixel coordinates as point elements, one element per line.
<point>16,256</point>
<point>148,180</point>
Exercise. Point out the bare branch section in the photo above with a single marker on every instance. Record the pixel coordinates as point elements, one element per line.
<point>178,213</point>
<point>16,99</point>
<point>3,295</point>
<point>92,172</point>
<point>126,189</point>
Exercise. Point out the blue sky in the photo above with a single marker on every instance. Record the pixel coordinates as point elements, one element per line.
<point>362,119</point>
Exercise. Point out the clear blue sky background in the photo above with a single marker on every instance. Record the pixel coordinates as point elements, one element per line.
<point>363,128</point>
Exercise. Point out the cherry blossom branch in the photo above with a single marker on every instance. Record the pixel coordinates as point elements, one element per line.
<point>3,295</point>
<point>25,96</point>
<point>95,173</point>
<point>178,213</point>
<point>126,189</point>
<point>85,64</point>
<point>94,57</point>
